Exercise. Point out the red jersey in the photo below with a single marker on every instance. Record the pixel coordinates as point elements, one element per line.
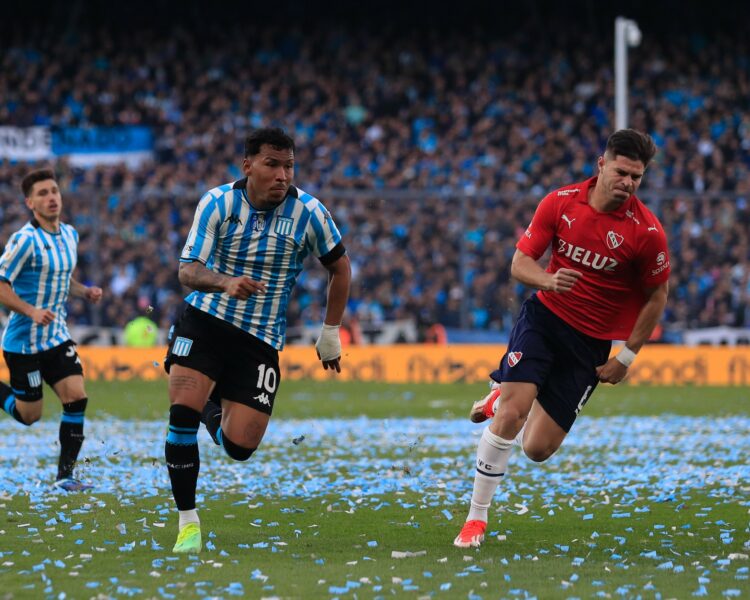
<point>619,253</point>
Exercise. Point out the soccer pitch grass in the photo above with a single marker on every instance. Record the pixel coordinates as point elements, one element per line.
<point>648,497</point>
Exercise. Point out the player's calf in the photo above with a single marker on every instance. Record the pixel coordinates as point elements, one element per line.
<point>181,454</point>
<point>8,403</point>
<point>211,418</point>
<point>71,437</point>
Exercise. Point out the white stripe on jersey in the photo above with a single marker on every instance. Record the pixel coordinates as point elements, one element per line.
<point>229,236</point>
<point>38,265</point>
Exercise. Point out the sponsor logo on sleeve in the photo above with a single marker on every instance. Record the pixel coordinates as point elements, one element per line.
<point>662,263</point>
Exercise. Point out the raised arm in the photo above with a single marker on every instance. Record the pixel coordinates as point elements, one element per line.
<point>529,272</point>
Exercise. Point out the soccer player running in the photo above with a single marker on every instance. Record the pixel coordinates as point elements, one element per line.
<point>242,257</point>
<point>35,280</point>
<point>606,280</point>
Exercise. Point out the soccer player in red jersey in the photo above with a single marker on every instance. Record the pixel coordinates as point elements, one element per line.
<point>607,279</point>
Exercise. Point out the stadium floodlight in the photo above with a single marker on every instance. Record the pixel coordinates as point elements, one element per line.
<point>627,34</point>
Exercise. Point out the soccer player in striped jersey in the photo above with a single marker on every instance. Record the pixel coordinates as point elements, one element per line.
<point>36,277</point>
<point>242,257</point>
<point>607,279</point>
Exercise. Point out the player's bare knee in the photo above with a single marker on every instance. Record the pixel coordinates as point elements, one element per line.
<point>538,453</point>
<point>235,451</point>
<point>508,421</point>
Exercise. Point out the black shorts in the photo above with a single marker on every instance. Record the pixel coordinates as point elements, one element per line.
<point>545,350</point>
<point>27,371</point>
<point>245,369</point>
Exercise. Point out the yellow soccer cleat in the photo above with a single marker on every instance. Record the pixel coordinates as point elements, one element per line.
<point>188,540</point>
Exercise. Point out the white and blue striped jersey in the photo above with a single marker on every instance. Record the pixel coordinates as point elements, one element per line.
<point>38,265</point>
<point>231,237</point>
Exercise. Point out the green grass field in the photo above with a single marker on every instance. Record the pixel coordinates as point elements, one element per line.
<point>649,498</point>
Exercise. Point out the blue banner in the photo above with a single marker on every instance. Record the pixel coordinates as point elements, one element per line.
<point>101,140</point>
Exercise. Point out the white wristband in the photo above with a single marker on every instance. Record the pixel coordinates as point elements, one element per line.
<point>626,356</point>
<point>329,343</point>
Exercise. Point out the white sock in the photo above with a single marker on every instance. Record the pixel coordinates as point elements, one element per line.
<point>188,516</point>
<point>493,453</point>
<point>519,436</point>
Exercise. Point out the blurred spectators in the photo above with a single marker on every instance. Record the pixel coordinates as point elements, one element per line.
<point>472,128</point>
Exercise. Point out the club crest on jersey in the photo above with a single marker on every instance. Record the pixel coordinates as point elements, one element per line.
<point>284,225</point>
<point>514,358</point>
<point>258,222</point>
<point>614,240</point>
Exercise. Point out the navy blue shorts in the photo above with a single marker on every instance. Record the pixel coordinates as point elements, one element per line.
<point>27,371</point>
<point>561,361</point>
<point>245,369</point>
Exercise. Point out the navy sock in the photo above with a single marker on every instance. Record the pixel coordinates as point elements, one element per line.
<point>8,402</point>
<point>233,450</point>
<point>71,436</point>
<point>181,453</point>
<point>211,416</point>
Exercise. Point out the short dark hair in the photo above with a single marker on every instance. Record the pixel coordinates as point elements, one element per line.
<point>631,144</point>
<point>273,136</point>
<point>34,177</point>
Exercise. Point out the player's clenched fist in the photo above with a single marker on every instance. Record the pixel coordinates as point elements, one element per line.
<point>244,287</point>
<point>42,316</point>
<point>564,280</point>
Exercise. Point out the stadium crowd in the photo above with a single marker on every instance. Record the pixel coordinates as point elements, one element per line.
<point>431,149</point>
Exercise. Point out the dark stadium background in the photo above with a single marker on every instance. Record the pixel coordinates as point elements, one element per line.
<point>412,263</point>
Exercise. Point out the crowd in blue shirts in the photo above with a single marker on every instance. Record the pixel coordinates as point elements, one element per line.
<point>430,148</point>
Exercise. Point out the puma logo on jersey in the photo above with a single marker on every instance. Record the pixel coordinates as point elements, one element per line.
<point>568,221</point>
<point>585,257</point>
<point>652,228</point>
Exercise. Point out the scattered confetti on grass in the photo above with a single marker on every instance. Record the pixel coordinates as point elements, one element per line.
<point>629,506</point>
